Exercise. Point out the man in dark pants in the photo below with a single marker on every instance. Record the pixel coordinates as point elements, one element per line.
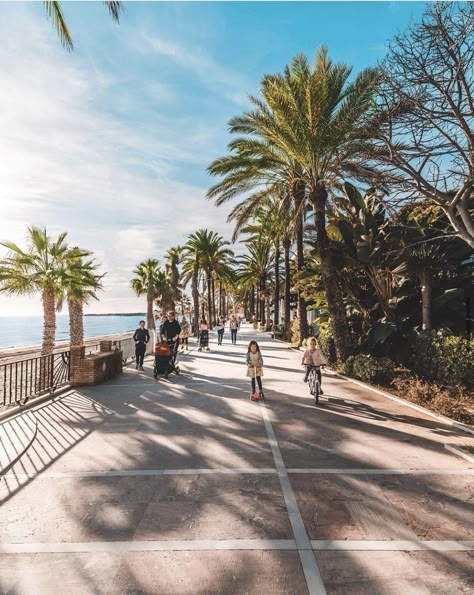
<point>171,328</point>
<point>170,331</point>
<point>141,338</point>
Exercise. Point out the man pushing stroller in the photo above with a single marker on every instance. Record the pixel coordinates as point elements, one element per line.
<point>165,352</point>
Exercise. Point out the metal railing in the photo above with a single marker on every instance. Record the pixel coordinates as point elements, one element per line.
<point>28,378</point>
<point>127,346</point>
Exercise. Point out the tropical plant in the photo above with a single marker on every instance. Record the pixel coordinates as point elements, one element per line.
<point>41,268</point>
<point>79,285</point>
<point>173,260</point>
<point>148,281</point>
<point>306,134</point>
<point>206,252</point>
<point>55,14</point>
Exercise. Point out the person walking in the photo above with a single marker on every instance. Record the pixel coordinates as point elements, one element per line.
<point>254,361</point>
<point>234,326</point>
<point>220,330</point>
<point>184,333</point>
<point>141,338</point>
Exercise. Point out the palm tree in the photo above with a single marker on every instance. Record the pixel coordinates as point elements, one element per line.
<point>41,268</point>
<point>255,271</point>
<point>205,252</point>
<point>310,124</point>
<point>271,218</point>
<point>55,14</point>
<point>173,260</point>
<point>80,285</point>
<point>148,281</point>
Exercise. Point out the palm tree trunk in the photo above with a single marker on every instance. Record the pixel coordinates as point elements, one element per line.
<point>302,308</point>
<point>209,300</point>
<point>262,301</point>
<point>286,246</point>
<point>337,311</point>
<point>150,298</point>
<point>276,295</point>
<point>195,294</point>
<point>426,288</point>
<point>49,321</point>
<point>213,286</point>
<point>76,322</point>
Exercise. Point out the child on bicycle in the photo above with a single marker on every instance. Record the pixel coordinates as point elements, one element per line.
<point>254,361</point>
<point>313,357</point>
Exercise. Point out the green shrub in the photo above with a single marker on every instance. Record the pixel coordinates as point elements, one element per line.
<point>453,402</point>
<point>443,359</point>
<point>327,346</point>
<point>368,368</point>
<point>294,332</point>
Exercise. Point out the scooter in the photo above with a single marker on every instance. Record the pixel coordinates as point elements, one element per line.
<point>256,396</point>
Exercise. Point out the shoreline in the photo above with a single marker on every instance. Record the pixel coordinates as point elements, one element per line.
<point>8,354</point>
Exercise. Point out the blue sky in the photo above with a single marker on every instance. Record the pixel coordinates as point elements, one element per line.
<point>111,142</point>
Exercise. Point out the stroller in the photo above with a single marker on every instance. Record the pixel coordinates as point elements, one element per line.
<point>165,358</point>
<point>204,340</point>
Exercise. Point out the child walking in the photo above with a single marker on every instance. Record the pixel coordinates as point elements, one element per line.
<point>313,357</point>
<point>254,361</point>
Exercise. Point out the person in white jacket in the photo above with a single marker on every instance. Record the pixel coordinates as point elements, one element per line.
<point>313,357</point>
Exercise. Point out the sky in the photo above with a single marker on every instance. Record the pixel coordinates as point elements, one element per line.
<point>111,142</point>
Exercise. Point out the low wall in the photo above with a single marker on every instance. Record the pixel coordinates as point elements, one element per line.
<point>95,368</point>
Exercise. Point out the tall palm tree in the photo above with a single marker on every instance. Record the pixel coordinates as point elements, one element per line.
<point>205,252</point>
<point>309,124</point>
<point>173,260</point>
<point>271,218</point>
<point>255,269</point>
<point>81,283</point>
<point>148,281</point>
<point>41,268</point>
<point>55,14</point>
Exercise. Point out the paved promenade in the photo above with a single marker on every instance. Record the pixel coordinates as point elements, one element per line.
<point>186,487</point>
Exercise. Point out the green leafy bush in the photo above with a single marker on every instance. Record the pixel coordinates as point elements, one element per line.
<point>380,370</point>
<point>327,346</point>
<point>294,332</point>
<point>453,402</point>
<point>443,359</point>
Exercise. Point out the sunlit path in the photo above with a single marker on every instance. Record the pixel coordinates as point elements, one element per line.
<point>186,486</point>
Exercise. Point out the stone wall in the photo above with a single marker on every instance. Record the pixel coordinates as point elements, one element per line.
<point>97,367</point>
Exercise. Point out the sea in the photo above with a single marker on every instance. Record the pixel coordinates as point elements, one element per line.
<point>28,330</point>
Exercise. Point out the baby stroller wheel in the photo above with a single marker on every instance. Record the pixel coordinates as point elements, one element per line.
<point>200,349</point>
<point>177,370</point>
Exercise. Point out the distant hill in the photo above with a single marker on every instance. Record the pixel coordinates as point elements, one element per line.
<point>118,314</point>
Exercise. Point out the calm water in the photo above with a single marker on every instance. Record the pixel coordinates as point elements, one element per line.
<point>15,332</point>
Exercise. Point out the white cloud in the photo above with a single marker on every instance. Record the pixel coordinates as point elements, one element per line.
<point>73,157</point>
<point>219,79</point>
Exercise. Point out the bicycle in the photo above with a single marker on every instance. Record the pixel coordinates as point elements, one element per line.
<point>314,383</point>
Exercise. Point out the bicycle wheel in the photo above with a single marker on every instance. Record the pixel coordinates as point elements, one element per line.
<point>316,392</point>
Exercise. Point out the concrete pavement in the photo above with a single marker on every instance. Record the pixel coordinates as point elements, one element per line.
<point>185,486</point>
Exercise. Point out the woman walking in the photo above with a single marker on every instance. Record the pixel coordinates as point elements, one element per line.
<point>234,325</point>
<point>220,330</point>
<point>184,335</point>
<point>254,361</point>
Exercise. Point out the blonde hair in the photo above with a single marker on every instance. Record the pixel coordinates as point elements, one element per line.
<point>311,339</point>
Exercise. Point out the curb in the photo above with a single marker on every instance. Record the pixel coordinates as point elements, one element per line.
<point>447,420</point>
<point>459,452</point>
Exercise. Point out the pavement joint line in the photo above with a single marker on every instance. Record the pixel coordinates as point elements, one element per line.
<point>392,545</point>
<point>382,471</point>
<point>140,472</point>
<point>361,545</point>
<point>229,471</point>
<point>148,546</point>
<point>311,571</point>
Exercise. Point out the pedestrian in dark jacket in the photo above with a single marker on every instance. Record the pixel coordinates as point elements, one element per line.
<point>141,338</point>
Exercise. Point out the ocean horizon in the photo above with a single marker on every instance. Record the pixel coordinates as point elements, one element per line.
<point>19,331</point>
